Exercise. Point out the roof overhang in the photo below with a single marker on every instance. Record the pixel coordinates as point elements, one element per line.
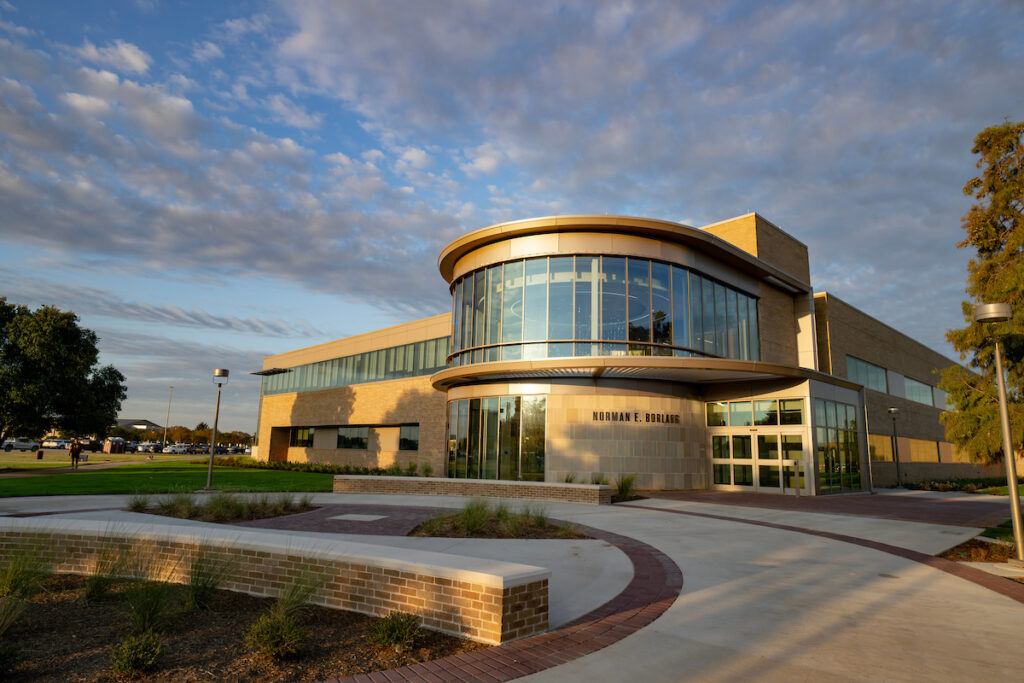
<point>630,225</point>
<point>651,368</point>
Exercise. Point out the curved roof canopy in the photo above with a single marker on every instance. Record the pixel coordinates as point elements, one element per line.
<point>694,238</point>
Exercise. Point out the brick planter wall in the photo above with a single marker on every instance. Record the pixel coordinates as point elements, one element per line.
<point>459,599</point>
<point>488,488</point>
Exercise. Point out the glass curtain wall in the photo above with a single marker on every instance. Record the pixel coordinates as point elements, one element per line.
<point>498,437</point>
<point>409,360</point>
<point>566,306</point>
<point>838,451</point>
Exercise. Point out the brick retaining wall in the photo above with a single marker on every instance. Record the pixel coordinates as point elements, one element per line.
<point>466,602</point>
<point>487,488</point>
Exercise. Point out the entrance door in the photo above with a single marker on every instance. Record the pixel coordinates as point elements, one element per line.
<point>781,463</point>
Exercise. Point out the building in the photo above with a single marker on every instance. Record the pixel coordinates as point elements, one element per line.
<point>141,425</point>
<point>583,346</point>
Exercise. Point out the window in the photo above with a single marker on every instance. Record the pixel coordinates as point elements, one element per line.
<point>409,438</point>
<point>918,391</point>
<point>498,437</point>
<point>354,437</point>
<point>718,415</point>
<point>791,411</point>
<point>862,372</point>
<point>838,452</point>
<point>302,437</point>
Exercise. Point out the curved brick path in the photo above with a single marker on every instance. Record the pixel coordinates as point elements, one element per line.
<point>656,583</point>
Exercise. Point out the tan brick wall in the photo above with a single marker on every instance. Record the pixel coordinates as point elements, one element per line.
<point>482,488</point>
<point>466,609</point>
<point>843,330</point>
<point>776,319</point>
<point>391,402</point>
<point>660,456</point>
<point>760,237</point>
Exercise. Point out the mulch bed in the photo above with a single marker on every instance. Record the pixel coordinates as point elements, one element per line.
<point>979,551</point>
<point>63,638</point>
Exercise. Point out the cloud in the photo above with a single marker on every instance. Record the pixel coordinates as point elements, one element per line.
<point>293,114</point>
<point>481,160</point>
<point>86,300</point>
<point>119,55</point>
<point>206,51</point>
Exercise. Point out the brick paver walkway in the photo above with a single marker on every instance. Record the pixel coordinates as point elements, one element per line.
<point>397,520</point>
<point>909,508</point>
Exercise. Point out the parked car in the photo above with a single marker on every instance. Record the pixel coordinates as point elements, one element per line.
<point>149,447</point>
<point>20,443</point>
<point>176,449</point>
<point>55,443</point>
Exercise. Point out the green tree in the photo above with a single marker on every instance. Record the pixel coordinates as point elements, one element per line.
<point>994,228</point>
<point>49,375</point>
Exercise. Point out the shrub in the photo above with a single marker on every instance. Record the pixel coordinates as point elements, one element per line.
<point>569,478</point>
<point>205,575</point>
<point>427,470</point>
<point>475,516</point>
<point>181,505</point>
<point>410,469</point>
<point>275,634</point>
<point>535,515</point>
<point>138,502</point>
<point>136,654</point>
<point>22,575</point>
<point>394,470</point>
<point>223,507</point>
<point>399,630</point>
<point>111,562</point>
<point>598,479</point>
<point>295,596</point>
<point>625,487</point>
<point>149,604</point>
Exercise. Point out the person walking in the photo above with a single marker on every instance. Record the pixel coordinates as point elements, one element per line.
<point>76,452</point>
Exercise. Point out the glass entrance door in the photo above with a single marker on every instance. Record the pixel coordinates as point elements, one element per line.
<point>767,462</point>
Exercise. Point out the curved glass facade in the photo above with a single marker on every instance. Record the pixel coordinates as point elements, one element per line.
<point>560,306</point>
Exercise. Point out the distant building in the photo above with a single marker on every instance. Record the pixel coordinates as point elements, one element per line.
<point>693,358</point>
<point>141,425</point>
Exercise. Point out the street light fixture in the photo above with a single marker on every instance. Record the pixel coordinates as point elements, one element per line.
<point>220,378</point>
<point>167,420</point>
<point>999,313</point>
<point>893,412</point>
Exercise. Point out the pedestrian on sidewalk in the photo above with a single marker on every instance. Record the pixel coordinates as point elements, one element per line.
<point>76,452</point>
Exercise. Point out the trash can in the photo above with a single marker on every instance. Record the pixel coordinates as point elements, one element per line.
<point>39,454</point>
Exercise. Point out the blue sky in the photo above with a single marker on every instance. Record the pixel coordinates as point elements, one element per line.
<point>206,183</point>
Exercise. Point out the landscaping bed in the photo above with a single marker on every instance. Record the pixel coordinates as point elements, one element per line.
<point>61,636</point>
<point>222,507</point>
<point>979,551</point>
<point>482,519</point>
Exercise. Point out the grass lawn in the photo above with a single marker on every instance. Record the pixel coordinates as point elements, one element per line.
<point>1003,532</point>
<point>165,477</point>
<point>16,460</point>
<point>1001,490</point>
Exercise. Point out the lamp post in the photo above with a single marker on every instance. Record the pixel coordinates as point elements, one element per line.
<point>998,313</point>
<point>893,412</point>
<point>167,420</point>
<point>220,378</point>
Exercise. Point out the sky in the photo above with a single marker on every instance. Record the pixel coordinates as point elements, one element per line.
<point>208,183</point>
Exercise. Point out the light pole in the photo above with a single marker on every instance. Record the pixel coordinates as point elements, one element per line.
<point>893,411</point>
<point>220,378</point>
<point>998,313</point>
<point>167,420</point>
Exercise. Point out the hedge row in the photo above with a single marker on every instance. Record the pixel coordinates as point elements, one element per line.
<point>966,485</point>
<point>411,470</point>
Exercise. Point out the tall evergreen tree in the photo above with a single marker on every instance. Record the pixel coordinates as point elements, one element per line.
<point>994,228</point>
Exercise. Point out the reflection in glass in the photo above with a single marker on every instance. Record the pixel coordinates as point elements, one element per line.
<point>739,414</point>
<point>508,438</point>
<point>791,411</point>
<point>707,289</point>
<point>718,415</point>
<point>743,475</point>
<point>613,297</point>
<point>479,299</point>
<point>720,447</point>
<point>536,300</point>
<point>639,274</point>
<point>661,300</point>
<point>767,447</point>
<point>588,311</point>
<point>680,308</point>
<point>766,412</point>
<point>473,462</point>
<point>532,456</point>
<point>560,306</point>
<point>460,448</point>
<point>768,476</point>
<point>722,473</point>
<point>741,447</point>
<point>489,407</point>
<point>512,303</point>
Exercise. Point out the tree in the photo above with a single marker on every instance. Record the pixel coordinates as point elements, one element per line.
<point>994,228</point>
<point>49,375</point>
